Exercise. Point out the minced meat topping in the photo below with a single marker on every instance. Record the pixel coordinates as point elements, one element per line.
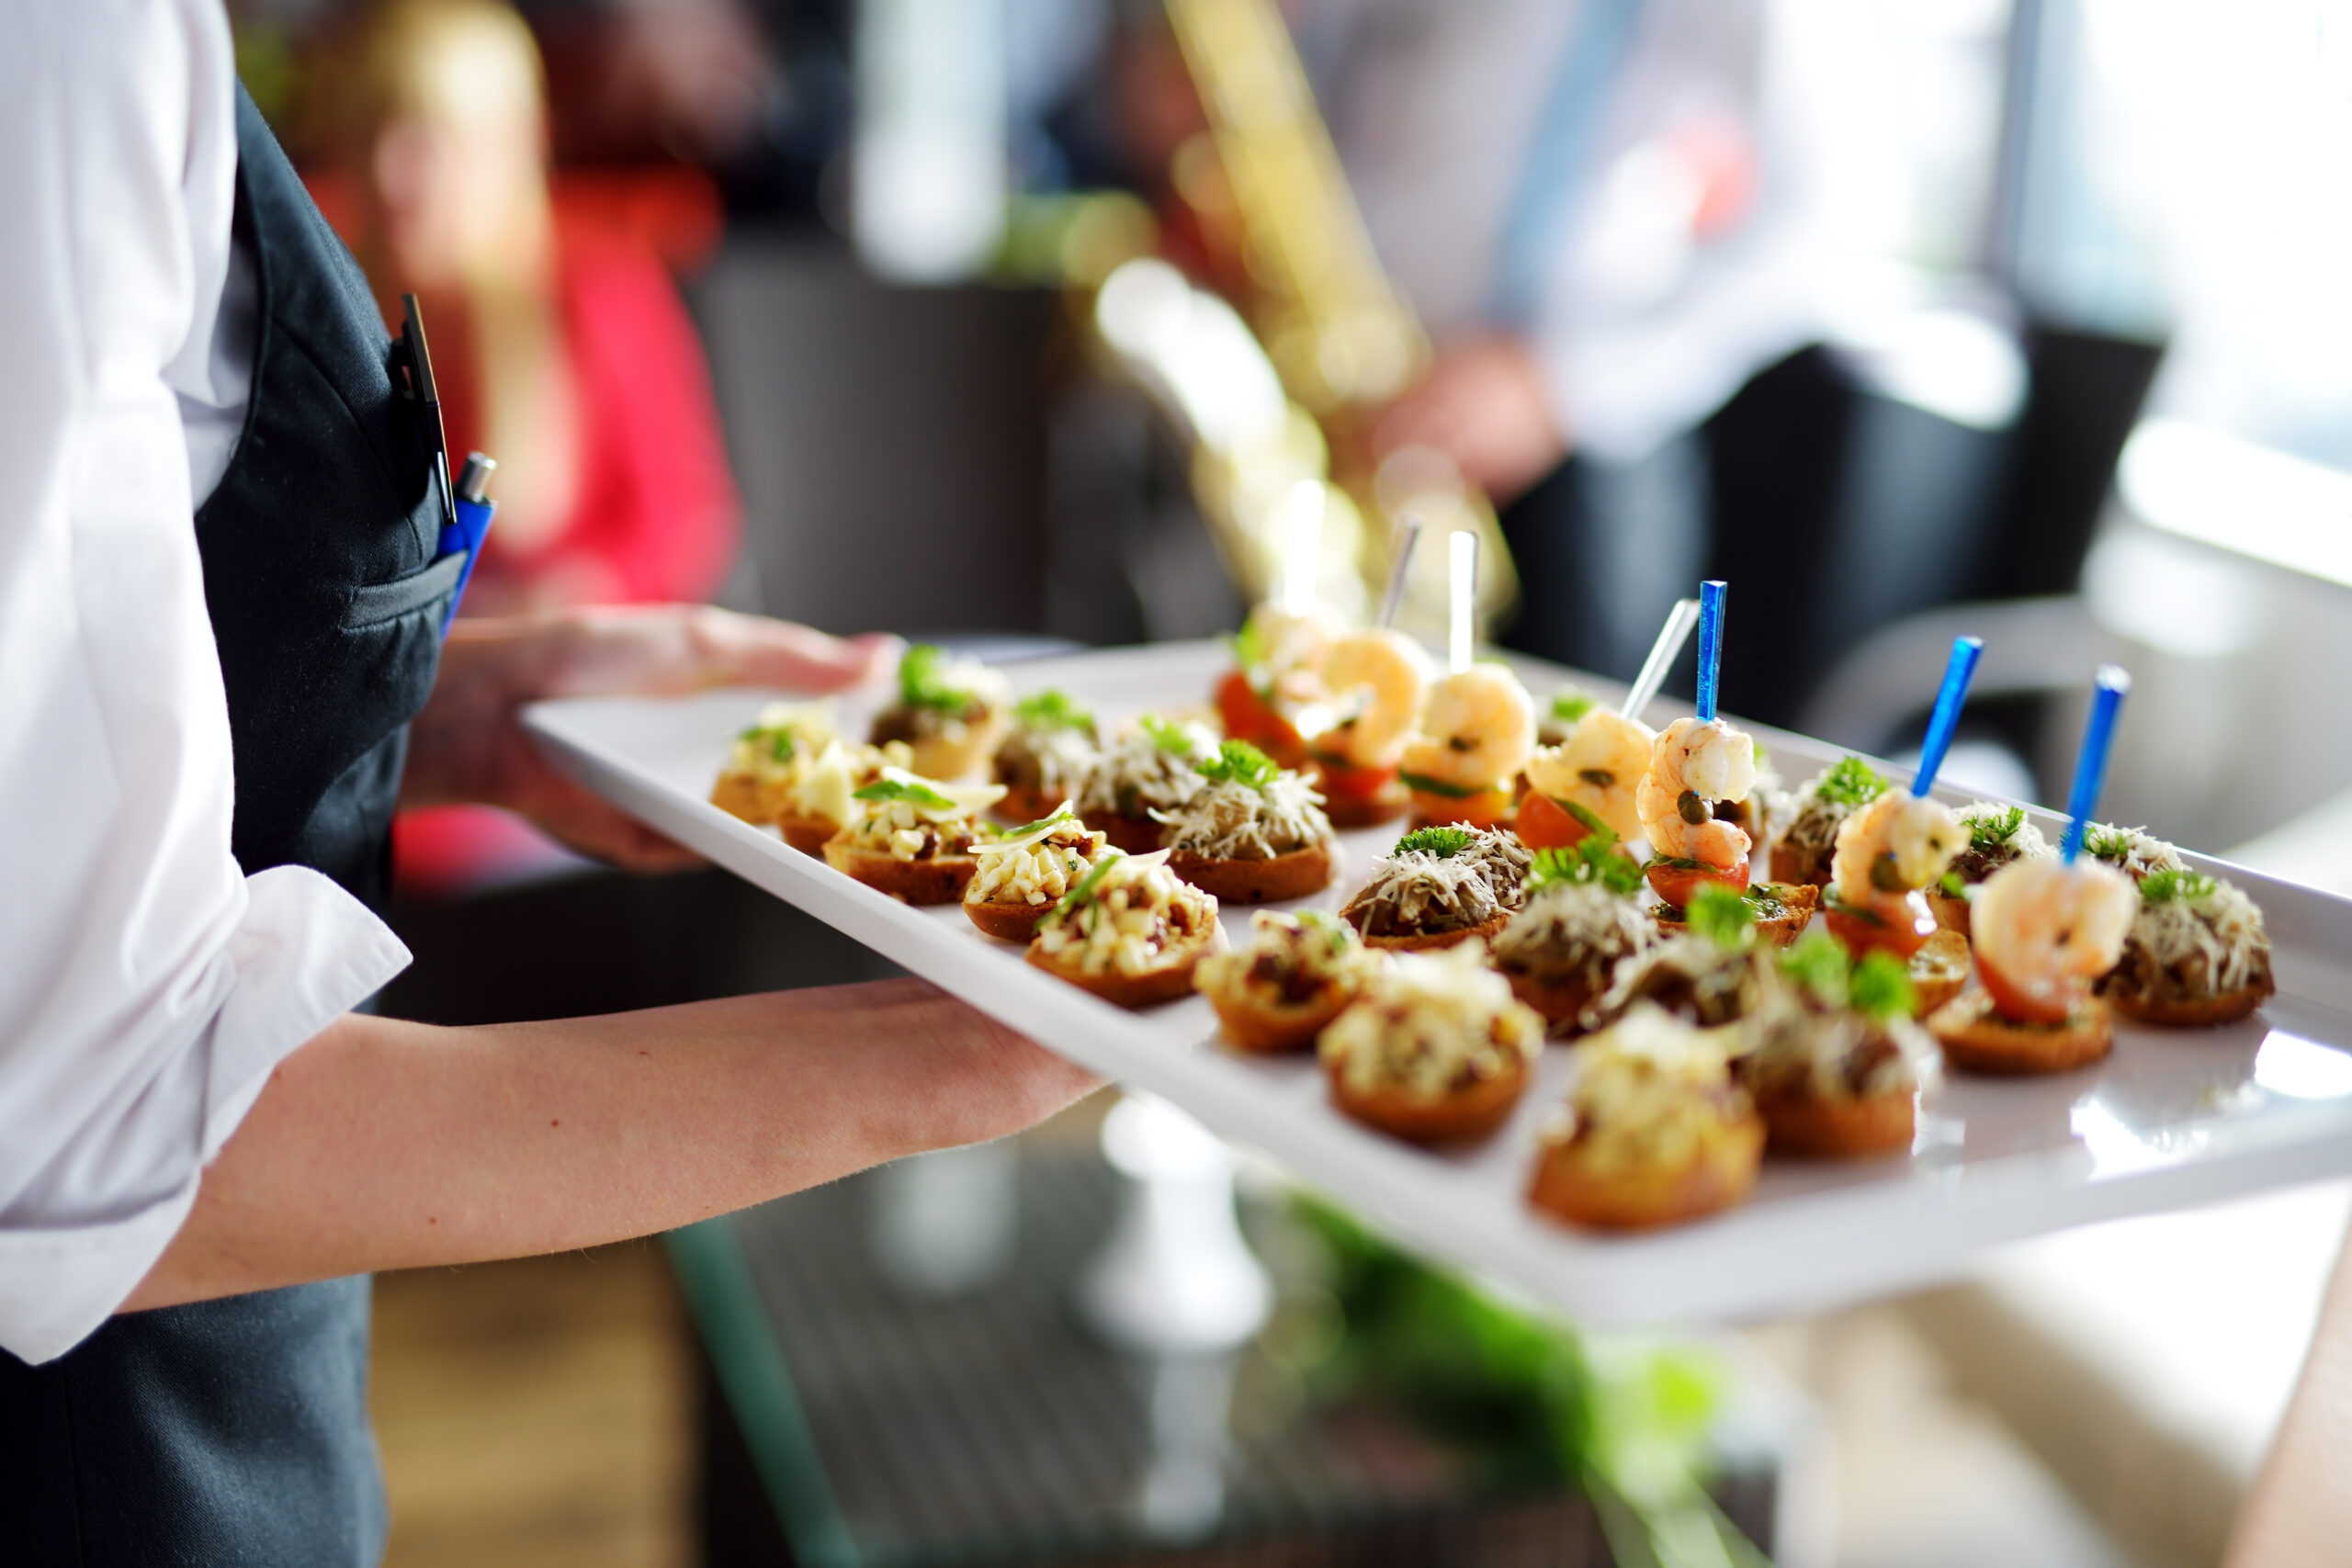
<point>1237,821</point>
<point>1292,959</point>
<point>1996,835</point>
<point>1575,930</point>
<point>1149,768</point>
<point>1693,977</point>
<point>1419,892</point>
<point>1796,1045</point>
<point>2199,938</point>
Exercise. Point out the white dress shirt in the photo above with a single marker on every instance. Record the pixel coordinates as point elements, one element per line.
<point>1648,312</point>
<point>148,986</point>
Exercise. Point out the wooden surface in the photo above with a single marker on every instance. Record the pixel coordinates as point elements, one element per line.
<point>536,1413</point>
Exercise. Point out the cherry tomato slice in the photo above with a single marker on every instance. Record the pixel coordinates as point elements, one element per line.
<point>2014,1002</point>
<point>1545,824</point>
<point>1483,809</point>
<point>1676,885</point>
<point>1902,927</point>
<point>1247,717</point>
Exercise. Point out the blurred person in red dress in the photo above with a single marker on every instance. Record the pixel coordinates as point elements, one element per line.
<point>562,347</point>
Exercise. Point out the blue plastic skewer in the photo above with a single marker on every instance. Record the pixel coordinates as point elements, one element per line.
<point>2090,766</point>
<point>1945,720</point>
<point>1710,645</point>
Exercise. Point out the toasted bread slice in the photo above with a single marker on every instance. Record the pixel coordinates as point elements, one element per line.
<point>1292,875</point>
<point>938,757</point>
<point>1721,1176</point>
<point>1977,1039</point>
<point>2201,1013</point>
<point>1423,942</point>
<point>1008,920</point>
<point>1471,1110</point>
<point>807,834</point>
<point>1798,901</point>
<point>1826,1127</point>
<point>1166,981</point>
<point>1255,1025</point>
<point>1939,970</point>
<point>1562,1002</point>
<point>1024,803</point>
<point>740,796</point>
<point>1136,835</point>
<point>1791,864</point>
<point>938,880</point>
<point>1950,913</point>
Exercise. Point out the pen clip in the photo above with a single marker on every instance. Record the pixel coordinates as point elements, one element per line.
<point>417,359</point>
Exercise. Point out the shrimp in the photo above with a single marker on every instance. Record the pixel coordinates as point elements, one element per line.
<point>1287,642</point>
<point>1893,845</point>
<point>1692,767</point>
<point>2047,930</point>
<point>1375,679</point>
<point>1598,767</point>
<point>1477,730</point>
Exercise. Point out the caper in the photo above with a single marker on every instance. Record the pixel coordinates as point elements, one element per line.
<point>1882,874</point>
<point>1694,811</point>
<point>1600,778</point>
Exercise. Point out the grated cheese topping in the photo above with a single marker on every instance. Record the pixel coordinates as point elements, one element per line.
<point>1238,821</point>
<point>1139,775</point>
<point>824,790</point>
<point>1431,1024</point>
<point>1575,930</point>
<point>1418,892</point>
<point>1690,977</point>
<point>2135,852</point>
<point>1036,868</point>
<point>1651,1092</point>
<point>2197,947</point>
<point>1793,1044</point>
<point>1052,762</point>
<point>1130,920</point>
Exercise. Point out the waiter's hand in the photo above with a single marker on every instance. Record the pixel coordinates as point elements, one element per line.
<point>1483,405</point>
<point>468,746</point>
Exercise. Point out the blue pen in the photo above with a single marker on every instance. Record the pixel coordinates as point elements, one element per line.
<point>475,510</point>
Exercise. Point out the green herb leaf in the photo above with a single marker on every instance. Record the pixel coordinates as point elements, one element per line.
<point>1442,842</point>
<point>1238,762</point>
<point>1590,818</point>
<point>1590,860</point>
<point>1039,826</point>
<point>2112,845</point>
<point>1249,647</point>
<point>1168,734</point>
<point>1817,960</point>
<point>1088,884</point>
<point>913,793</point>
<point>1429,785</point>
<point>1850,783</point>
<point>1953,888</point>
<point>1051,709</point>
<point>1830,901</point>
<point>1679,862</point>
<point>1570,705</point>
<point>1986,833</point>
<point>2167,885</point>
<point>1721,916</point>
<point>1880,987</point>
<point>922,683</point>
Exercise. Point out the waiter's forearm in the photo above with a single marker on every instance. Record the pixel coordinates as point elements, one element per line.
<point>384,1145</point>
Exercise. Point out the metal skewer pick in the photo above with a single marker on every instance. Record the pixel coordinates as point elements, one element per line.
<point>1408,533</point>
<point>1462,590</point>
<point>1958,672</point>
<point>2108,688</point>
<point>1663,653</point>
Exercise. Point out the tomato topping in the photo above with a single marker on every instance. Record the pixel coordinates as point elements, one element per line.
<point>2013,1002</point>
<point>1248,717</point>
<point>1902,927</point>
<point>1487,809</point>
<point>1675,885</point>
<point>1341,778</point>
<point>1545,824</point>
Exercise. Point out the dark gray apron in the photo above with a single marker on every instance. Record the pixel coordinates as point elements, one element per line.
<point>235,1431</point>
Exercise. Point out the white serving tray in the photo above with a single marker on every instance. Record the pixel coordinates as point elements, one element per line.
<point>2171,1119</point>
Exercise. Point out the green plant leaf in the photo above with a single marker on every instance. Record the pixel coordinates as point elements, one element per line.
<point>1051,709</point>
<point>2166,885</point>
<point>1880,987</point>
<point>1089,884</point>
<point>1168,734</point>
<point>1238,762</point>
<point>1591,861</point>
<point>1987,833</point>
<point>1590,818</point>
<point>2112,845</point>
<point>1818,962</point>
<point>1429,785</point>
<point>1721,916</point>
<point>1570,705</point>
<point>1850,783</point>
<point>1442,842</point>
<point>913,793</point>
<point>1039,826</point>
<point>923,682</point>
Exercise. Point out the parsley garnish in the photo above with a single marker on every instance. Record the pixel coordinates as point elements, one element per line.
<point>1249,648</point>
<point>2167,885</point>
<point>1040,825</point>
<point>1817,960</point>
<point>1986,833</point>
<point>914,792</point>
<point>1721,916</point>
<point>1953,888</point>
<point>1051,709</point>
<point>1850,783</point>
<point>776,739</point>
<point>1880,987</point>
<point>1238,762</point>
<point>1591,861</point>
<point>923,684</point>
<point>1168,734</point>
<point>1571,705</point>
<point>2112,845</point>
<point>1442,842</point>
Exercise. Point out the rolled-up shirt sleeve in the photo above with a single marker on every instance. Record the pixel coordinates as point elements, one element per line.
<point>148,986</point>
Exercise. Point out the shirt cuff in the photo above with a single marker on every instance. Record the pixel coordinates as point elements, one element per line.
<point>305,954</point>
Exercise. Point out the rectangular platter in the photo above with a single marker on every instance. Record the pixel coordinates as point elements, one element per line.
<point>2170,1120</point>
